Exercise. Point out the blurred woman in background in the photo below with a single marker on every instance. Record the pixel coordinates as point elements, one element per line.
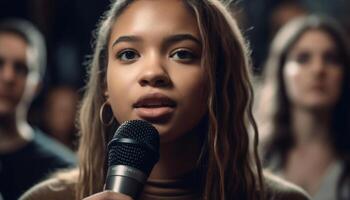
<point>305,107</point>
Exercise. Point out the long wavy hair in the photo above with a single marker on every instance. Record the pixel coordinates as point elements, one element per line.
<point>230,170</point>
<point>274,111</point>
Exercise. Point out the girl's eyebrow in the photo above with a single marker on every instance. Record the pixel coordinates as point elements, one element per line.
<point>167,41</point>
<point>180,37</point>
<point>127,38</point>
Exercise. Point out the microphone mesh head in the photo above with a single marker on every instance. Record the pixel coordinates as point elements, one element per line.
<point>135,144</point>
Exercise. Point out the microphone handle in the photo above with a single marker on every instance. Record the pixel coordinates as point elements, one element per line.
<point>126,180</point>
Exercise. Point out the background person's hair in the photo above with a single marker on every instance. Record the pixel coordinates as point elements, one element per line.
<point>228,169</point>
<point>35,40</point>
<point>274,106</point>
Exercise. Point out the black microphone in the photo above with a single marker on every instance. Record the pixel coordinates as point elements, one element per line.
<point>132,153</point>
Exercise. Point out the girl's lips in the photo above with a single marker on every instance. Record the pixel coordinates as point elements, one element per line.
<point>154,107</point>
<point>154,113</point>
<point>154,100</point>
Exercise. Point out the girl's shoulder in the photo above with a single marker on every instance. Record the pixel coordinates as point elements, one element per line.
<point>279,189</point>
<point>60,186</point>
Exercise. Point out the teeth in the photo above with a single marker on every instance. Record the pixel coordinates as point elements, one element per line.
<point>153,105</point>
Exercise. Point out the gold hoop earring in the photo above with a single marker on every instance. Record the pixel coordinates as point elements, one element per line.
<point>102,109</point>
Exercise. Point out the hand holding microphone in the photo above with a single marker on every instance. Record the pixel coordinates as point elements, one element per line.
<point>132,153</point>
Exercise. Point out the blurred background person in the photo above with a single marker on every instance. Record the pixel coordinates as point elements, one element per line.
<point>59,115</point>
<point>304,111</point>
<point>26,155</point>
<point>261,15</point>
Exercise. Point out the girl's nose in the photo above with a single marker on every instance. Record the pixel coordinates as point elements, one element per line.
<point>154,74</point>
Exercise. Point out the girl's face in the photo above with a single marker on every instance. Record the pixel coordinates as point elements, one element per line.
<point>154,67</point>
<point>313,73</point>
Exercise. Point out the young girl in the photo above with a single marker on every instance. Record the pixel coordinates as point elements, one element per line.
<point>183,66</point>
<point>305,108</point>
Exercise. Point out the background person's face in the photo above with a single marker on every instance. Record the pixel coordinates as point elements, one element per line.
<point>13,72</point>
<point>155,50</point>
<point>313,73</point>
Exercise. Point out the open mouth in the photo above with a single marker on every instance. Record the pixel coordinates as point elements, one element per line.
<point>154,101</point>
<point>155,107</point>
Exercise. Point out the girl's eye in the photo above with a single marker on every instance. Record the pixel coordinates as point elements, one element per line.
<point>128,55</point>
<point>183,55</point>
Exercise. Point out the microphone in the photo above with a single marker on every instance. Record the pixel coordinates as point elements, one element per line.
<point>132,153</point>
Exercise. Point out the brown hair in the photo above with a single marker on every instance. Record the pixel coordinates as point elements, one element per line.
<point>229,170</point>
<point>274,110</point>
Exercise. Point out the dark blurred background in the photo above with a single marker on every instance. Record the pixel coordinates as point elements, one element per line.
<point>68,25</point>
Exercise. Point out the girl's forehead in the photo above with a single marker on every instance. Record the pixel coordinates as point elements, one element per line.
<point>155,17</point>
<point>152,13</point>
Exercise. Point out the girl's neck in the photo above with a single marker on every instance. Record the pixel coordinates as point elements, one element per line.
<point>177,158</point>
<point>311,126</point>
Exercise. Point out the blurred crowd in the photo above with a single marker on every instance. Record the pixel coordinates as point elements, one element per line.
<point>301,63</point>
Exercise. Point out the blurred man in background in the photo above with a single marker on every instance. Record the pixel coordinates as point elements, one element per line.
<point>26,155</point>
